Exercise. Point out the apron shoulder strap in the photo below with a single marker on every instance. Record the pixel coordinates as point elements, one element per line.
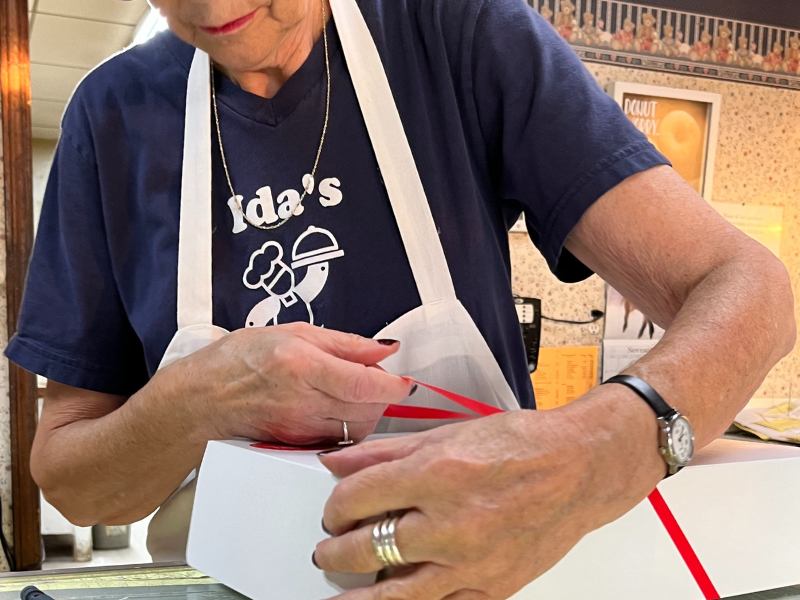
<point>194,238</point>
<point>398,169</point>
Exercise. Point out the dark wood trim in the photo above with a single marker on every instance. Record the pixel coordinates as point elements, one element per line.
<point>15,96</point>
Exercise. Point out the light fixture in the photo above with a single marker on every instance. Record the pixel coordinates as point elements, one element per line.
<point>149,26</point>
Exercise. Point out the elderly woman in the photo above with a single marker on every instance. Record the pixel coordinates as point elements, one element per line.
<point>351,178</point>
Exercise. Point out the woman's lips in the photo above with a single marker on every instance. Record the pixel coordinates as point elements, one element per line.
<point>234,25</point>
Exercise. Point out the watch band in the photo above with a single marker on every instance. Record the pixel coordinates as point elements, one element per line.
<point>647,393</point>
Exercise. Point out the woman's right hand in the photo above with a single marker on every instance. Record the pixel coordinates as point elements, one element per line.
<point>291,383</point>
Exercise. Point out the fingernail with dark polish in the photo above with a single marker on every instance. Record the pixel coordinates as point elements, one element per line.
<point>330,451</point>
<point>325,529</point>
<point>314,559</point>
<point>413,389</point>
<point>387,342</point>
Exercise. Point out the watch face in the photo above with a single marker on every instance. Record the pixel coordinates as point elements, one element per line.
<point>682,440</point>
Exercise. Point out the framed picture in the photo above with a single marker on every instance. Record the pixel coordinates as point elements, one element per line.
<point>682,124</point>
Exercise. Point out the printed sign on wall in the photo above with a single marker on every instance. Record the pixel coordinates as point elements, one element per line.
<point>682,124</point>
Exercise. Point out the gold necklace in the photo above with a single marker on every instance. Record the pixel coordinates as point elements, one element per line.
<point>306,187</point>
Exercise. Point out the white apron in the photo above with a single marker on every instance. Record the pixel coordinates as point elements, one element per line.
<point>440,343</point>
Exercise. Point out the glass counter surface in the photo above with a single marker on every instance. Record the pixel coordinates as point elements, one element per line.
<point>174,582</point>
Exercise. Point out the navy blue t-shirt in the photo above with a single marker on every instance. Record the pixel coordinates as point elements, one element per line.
<point>501,116</point>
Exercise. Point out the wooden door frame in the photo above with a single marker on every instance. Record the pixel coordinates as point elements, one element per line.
<point>15,98</point>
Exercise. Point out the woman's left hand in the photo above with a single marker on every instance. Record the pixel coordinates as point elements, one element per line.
<point>489,505</point>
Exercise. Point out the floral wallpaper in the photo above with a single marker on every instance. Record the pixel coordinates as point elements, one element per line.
<point>669,40</point>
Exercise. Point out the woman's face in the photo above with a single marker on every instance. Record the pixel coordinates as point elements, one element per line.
<point>241,35</point>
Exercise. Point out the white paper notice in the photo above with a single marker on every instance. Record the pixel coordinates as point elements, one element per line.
<point>628,334</point>
<point>618,355</point>
<point>762,223</point>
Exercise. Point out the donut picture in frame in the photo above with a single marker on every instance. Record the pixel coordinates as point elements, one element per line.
<point>682,124</point>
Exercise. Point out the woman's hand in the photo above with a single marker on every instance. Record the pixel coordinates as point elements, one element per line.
<point>292,383</point>
<point>491,504</point>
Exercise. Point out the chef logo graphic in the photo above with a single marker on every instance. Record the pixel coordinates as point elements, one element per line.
<point>267,270</point>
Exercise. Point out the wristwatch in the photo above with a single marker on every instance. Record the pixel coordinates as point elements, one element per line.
<point>676,436</point>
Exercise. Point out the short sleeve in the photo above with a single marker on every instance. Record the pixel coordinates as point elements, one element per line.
<point>557,141</point>
<point>72,327</point>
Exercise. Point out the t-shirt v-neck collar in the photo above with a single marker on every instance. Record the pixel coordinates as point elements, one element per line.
<point>269,111</point>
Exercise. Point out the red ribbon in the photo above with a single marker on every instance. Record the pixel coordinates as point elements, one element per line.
<point>404,411</point>
<point>684,547</point>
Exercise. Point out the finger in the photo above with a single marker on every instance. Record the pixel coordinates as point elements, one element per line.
<point>352,382</point>
<point>428,581</point>
<point>337,410</point>
<point>356,430</point>
<point>311,432</point>
<point>376,490</point>
<point>353,552</point>
<point>345,463</point>
<point>318,406</point>
<point>347,346</point>
<point>468,595</point>
<point>329,430</point>
<point>319,418</point>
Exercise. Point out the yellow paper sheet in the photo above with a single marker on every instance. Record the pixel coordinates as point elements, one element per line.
<point>780,411</point>
<point>780,422</point>
<point>564,374</point>
<point>781,425</point>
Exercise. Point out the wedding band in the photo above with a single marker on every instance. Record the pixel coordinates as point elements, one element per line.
<point>346,435</point>
<point>384,543</point>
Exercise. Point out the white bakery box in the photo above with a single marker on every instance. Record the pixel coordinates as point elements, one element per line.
<point>257,518</point>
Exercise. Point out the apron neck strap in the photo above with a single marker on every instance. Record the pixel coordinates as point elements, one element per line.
<point>398,169</point>
<point>194,238</point>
